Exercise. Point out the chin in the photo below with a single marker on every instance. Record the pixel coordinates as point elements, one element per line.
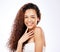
<point>29,27</point>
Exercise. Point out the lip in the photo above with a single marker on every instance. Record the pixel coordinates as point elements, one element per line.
<point>30,24</point>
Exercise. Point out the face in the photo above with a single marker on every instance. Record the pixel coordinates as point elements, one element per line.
<point>30,18</point>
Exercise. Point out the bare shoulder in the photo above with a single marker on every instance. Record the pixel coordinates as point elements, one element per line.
<point>38,30</point>
<point>38,35</point>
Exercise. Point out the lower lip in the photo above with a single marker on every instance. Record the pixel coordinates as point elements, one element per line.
<point>29,25</point>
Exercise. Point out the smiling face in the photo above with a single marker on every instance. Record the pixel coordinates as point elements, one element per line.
<point>30,18</point>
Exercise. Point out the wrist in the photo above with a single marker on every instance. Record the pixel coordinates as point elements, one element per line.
<point>19,45</point>
<point>20,42</point>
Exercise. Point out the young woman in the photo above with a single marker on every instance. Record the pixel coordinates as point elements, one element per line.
<point>26,36</point>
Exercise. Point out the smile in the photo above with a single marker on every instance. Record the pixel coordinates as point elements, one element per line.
<point>29,24</point>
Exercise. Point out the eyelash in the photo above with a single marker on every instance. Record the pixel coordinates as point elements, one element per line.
<point>26,17</point>
<point>31,17</point>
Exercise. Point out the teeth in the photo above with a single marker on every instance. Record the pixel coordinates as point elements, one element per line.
<point>29,23</point>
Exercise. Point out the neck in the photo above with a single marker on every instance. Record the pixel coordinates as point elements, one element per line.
<point>31,29</point>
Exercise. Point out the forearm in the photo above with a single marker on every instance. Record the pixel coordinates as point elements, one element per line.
<point>19,47</point>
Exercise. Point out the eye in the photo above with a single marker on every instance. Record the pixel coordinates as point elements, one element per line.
<point>32,17</point>
<point>25,17</point>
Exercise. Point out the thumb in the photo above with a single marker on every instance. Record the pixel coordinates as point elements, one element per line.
<point>26,30</point>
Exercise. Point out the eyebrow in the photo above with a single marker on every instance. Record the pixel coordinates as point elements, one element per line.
<point>30,15</point>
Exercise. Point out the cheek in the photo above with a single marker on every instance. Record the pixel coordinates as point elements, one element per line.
<point>25,21</point>
<point>35,21</point>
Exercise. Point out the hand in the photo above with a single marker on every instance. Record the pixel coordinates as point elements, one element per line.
<point>26,36</point>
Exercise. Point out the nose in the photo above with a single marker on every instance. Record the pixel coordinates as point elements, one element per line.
<point>29,19</point>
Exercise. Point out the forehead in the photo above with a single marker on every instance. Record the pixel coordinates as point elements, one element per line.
<point>30,12</point>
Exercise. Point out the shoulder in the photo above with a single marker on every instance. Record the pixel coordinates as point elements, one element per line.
<point>38,35</point>
<point>38,30</point>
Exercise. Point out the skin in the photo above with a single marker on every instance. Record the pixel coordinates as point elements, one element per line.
<point>35,33</point>
<point>30,18</point>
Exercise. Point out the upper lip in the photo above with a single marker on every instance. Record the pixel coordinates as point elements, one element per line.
<point>29,23</point>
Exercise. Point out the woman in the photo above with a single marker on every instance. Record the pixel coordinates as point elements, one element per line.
<point>25,33</point>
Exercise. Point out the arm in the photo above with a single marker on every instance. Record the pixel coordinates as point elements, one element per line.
<point>38,40</point>
<point>19,47</point>
<point>44,43</point>
<point>24,38</point>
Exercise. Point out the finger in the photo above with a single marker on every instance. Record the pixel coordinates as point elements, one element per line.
<point>31,36</point>
<point>30,31</point>
<point>26,30</point>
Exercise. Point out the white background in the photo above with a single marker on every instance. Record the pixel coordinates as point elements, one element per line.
<point>50,21</point>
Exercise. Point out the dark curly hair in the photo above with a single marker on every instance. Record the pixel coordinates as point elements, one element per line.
<point>19,27</point>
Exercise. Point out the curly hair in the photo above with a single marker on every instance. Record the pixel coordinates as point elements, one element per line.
<point>19,27</point>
